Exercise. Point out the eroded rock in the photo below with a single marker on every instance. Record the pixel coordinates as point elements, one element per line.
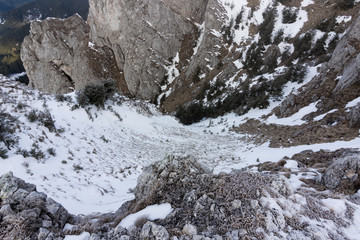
<point>26,213</point>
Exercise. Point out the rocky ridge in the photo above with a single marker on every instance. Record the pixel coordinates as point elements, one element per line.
<point>241,204</point>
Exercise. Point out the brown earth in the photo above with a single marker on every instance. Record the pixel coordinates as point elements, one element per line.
<point>305,134</point>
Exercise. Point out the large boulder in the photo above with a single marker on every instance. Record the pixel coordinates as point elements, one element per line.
<point>343,175</point>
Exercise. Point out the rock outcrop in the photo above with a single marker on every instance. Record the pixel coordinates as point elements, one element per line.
<point>238,205</point>
<point>343,174</point>
<point>137,44</point>
<point>26,213</point>
<point>338,81</point>
<point>58,57</point>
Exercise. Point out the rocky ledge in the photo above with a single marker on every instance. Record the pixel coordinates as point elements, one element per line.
<point>237,205</point>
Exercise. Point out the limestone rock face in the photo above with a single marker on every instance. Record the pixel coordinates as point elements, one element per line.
<point>134,43</point>
<point>58,57</point>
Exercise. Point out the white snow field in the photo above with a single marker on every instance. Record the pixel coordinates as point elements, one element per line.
<point>99,157</point>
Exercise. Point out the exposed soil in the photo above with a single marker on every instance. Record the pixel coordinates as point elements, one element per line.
<point>287,136</point>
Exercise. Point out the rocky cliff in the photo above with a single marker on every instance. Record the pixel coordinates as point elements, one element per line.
<point>141,45</point>
<point>206,57</point>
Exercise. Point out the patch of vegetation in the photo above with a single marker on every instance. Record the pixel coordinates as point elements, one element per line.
<point>7,130</point>
<point>43,117</point>
<point>289,15</point>
<point>36,152</point>
<point>241,100</point>
<point>51,151</point>
<point>254,59</point>
<point>63,98</point>
<point>327,25</point>
<point>239,18</point>
<point>345,4</point>
<point>319,47</point>
<point>227,33</point>
<point>196,77</point>
<point>302,46</point>
<point>292,74</point>
<point>279,37</point>
<point>96,94</point>
<point>267,26</point>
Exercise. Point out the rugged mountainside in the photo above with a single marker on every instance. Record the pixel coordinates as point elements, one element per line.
<point>210,57</point>
<point>274,85</point>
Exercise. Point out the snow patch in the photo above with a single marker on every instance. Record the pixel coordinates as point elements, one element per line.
<point>152,212</point>
<point>343,19</point>
<point>83,236</point>
<point>306,3</point>
<point>294,119</point>
<point>353,103</point>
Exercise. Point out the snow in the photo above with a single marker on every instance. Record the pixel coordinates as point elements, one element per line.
<point>306,3</point>
<point>200,39</point>
<point>83,236</point>
<point>152,212</point>
<point>15,76</point>
<point>343,19</point>
<point>335,205</point>
<point>291,164</point>
<point>353,103</point>
<point>320,117</point>
<point>295,119</point>
<point>353,231</point>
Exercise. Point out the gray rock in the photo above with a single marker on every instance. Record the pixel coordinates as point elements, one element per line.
<point>354,116</point>
<point>58,58</point>
<point>56,211</point>
<point>152,231</point>
<point>343,174</point>
<point>6,210</point>
<point>35,200</point>
<point>43,233</point>
<point>35,215</point>
<point>133,43</point>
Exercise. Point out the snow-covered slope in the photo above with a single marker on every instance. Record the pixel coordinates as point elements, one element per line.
<point>100,153</point>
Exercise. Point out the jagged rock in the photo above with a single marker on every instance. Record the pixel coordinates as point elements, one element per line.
<point>130,43</point>
<point>343,174</point>
<point>152,231</point>
<point>162,172</point>
<point>27,214</point>
<point>354,116</point>
<point>58,57</point>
